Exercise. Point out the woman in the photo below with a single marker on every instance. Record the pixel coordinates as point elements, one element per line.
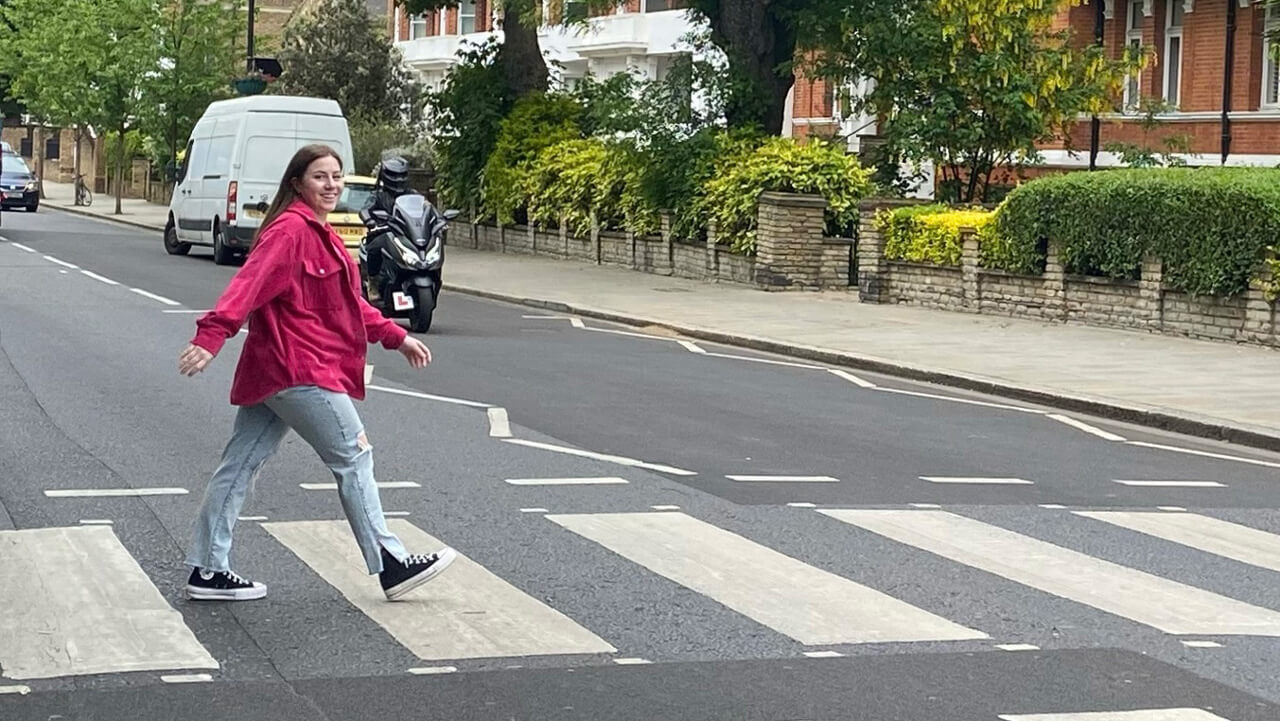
<point>300,368</point>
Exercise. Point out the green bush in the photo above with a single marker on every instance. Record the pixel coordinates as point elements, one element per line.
<point>1210,226</point>
<point>928,233</point>
<point>677,171</point>
<point>536,122</point>
<point>782,165</point>
<point>571,180</point>
<point>467,113</point>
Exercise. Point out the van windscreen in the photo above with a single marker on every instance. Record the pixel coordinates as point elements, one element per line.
<point>266,157</point>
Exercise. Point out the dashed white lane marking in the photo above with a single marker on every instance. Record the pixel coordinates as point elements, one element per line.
<point>251,519</point>
<point>187,678</point>
<point>153,296</point>
<point>593,481</point>
<point>185,310</point>
<point>1153,714</point>
<point>620,460</point>
<point>96,522</point>
<point>665,508</point>
<point>334,486</point>
<point>577,323</point>
<point>811,605</point>
<point>542,317</point>
<point>824,654</point>
<point>1203,533</point>
<point>499,423</point>
<point>1017,647</point>
<point>17,688</point>
<point>783,479</point>
<point>62,272</point>
<point>965,401</point>
<point>801,504</point>
<point>632,661</point>
<point>432,670</point>
<point>534,510</point>
<point>62,263</point>
<point>978,481</point>
<point>1171,509</point>
<point>395,514</point>
<point>99,278</point>
<point>765,361</point>
<point>431,397</point>
<point>20,246</point>
<point>861,383</point>
<point>113,492</point>
<point>1053,506</point>
<point>925,505</point>
<point>1082,426</point>
<point>1202,644</point>
<point>692,347</point>
<point>1206,454</point>
<point>1172,484</point>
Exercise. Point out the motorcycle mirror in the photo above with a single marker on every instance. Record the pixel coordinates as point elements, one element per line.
<point>451,214</point>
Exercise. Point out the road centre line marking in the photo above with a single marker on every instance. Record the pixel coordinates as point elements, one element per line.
<point>395,514</point>
<point>978,481</point>
<point>153,296</point>
<point>1172,484</point>
<point>1152,714</point>
<point>783,479</point>
<point>925,505</point>
<point>334,486</point>
<point>17,689</point>
<point>113,492</point>
<point>620,460</point>
<point>801,504</point>
<point>1171,509</point>
<point>1053,506</point>
<point>99,278</point>
<point>543,317</point>
<point>851,378</point>
<point>187,678</point>
<point>96,522</point>
<point>1202,644</point>
<point>534,510</point>
<point>499,423</point>
<point>824,654</point>
<point>431,397</point>
<point>185,310</point>
<point>432,670</point>
<point>1206,454</point>
<point>1092,430</point>
<point>596,481</point>
<point>62,263</point>
<point>665,508</point>
<point>966,401</point>
<point>20,246</point>
<point>692,347</point>
<point>1017,647</point>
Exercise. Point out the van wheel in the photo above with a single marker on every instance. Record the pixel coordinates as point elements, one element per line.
<point>222,255</point>
<point>172,245</point>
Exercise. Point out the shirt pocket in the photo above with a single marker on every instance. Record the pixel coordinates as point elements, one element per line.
<point>321,284</point>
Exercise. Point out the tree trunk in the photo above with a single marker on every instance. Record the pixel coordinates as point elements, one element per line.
<point>76,162</point>
<point>120,170</point>
<point>758,45</point>
<point>522,63</point>
<point>37,154</point>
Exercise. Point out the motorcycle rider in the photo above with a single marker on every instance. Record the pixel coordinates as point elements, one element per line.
<point>392,182</point>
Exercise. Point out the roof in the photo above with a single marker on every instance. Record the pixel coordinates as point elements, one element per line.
<point>275,104</point>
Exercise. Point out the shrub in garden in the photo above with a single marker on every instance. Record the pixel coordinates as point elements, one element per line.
<point>1210,226</point>
<point>782,165</point>
<point>570,181</point>
<point>467,112</point>
<point>536,122</point>
<point>676,173</point>
<point>928,233</point>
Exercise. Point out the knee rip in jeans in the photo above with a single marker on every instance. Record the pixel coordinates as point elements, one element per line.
<point>362,442</point>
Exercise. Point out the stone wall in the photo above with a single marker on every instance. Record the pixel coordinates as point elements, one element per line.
<point>1144,304</point>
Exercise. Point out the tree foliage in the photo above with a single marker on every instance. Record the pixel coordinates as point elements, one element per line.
<point>465,116</point>
<point>519,59</point>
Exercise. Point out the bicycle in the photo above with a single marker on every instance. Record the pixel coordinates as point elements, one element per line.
<point>84,196</point>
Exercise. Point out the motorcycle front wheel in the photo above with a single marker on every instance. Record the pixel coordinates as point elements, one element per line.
<point>424,307</point>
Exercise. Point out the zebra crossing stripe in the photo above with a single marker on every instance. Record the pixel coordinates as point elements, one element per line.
<point>1151,714</point>
<point>1212,535</point>
<point>467,612</point>
<point>1147,599</point>
<point>808,604</point>
<point>76,603</point>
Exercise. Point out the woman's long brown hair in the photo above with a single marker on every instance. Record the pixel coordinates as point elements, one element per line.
<point>295,170</point>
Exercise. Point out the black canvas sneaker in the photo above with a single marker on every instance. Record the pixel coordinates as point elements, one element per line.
<point>400,578</point>
<point>222,586</point>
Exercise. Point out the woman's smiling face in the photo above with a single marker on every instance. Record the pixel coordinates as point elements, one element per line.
<point>321,185</point>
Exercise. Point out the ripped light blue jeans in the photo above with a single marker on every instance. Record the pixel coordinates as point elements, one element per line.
<point>328,422</point>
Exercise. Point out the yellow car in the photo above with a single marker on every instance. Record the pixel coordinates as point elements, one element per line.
<point>345,218</point>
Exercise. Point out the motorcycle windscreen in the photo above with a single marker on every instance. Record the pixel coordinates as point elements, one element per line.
<point>414,215</point>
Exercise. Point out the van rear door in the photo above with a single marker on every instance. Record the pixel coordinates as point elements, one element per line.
<point>270,140</point>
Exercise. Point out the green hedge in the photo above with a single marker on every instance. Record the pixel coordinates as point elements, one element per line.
<point>536,122</point>
<point>1210,226</point>
<point>569,181</point>
<point>929,233</point>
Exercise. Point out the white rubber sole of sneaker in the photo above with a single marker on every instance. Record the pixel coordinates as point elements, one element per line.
<point>447,557</point>
<point>230,594</point>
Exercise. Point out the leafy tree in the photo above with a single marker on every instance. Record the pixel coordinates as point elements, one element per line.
<point>966,84</point>
<point>519,59</point>
<point>336,50</point>
<point>467,112</point>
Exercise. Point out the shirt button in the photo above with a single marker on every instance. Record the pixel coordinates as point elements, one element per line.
<point>322,271</point>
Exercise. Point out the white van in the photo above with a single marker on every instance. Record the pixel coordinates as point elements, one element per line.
<point>233,164</point>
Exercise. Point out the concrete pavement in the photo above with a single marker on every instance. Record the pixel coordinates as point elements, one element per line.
<point>1215,390</point>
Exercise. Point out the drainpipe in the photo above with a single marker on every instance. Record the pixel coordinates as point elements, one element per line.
<point>1227,67</point>
<point>1099,18</point>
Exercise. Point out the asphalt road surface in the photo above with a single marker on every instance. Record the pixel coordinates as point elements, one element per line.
<point>650,528</point>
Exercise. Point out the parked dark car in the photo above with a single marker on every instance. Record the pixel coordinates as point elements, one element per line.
<point>18,184</point>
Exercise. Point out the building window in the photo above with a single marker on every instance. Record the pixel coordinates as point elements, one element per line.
<point>657,6</point>
<point>418,27</point>
<point>1173,52</point>
<point>1133,40</point>
<point>467,17</point>
<point>1271,63</point>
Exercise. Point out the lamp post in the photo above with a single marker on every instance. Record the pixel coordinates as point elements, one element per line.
<point>249,41</point>
<point>1095,131</point>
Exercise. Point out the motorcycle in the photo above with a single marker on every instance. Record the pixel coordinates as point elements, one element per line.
<point>402,278</point>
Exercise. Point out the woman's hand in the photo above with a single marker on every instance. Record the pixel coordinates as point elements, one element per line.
<point>416,352</point>
<point>193,360</point>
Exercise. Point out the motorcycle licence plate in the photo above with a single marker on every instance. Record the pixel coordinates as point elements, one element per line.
<point>401,301</point>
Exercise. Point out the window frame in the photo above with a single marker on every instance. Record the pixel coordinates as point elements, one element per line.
<point>1171,33</point>
<point>1132,39</point>
<point>1270,64</point>
<point>418,27</point>
<point>475,8</point>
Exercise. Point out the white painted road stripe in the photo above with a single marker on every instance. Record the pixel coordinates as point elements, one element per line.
<point>76,603</point>
<point>691,346</point>
<point>153,296</point>
<point>20,246</point>
<point>824,654</point>
<point>1173,484</point>
<point>1153,714</point>
<point>185,310</point>
<point>1163,604</point>
<point>1205,454</point>
<point>499,423</point>
<point>851,378</point>
<point>467,612</point>
<point>632,661</point>
<point>811,605</point>
<point>432,670</point>
<point>977,481</point>
<point>783,479</point>
<point>96,522</point>
<point>1017,647</point>
<point>62,263</point>
<point>620,460</point>
<point>380,484</point>
<point>1211,535</point>
<point>113,492</point>
<point>1091,430</point>
<point>966,401</point>
<point>98,278</point>
<point>252,519</point>
<point>187,678</point>
<point>765,361</point>
<point>430,397</point>
<point>586,481</point>
<point>1202,644</point>
<point>17,688</point>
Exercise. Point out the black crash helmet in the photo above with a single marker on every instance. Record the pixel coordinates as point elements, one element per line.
<point>393,174</point>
